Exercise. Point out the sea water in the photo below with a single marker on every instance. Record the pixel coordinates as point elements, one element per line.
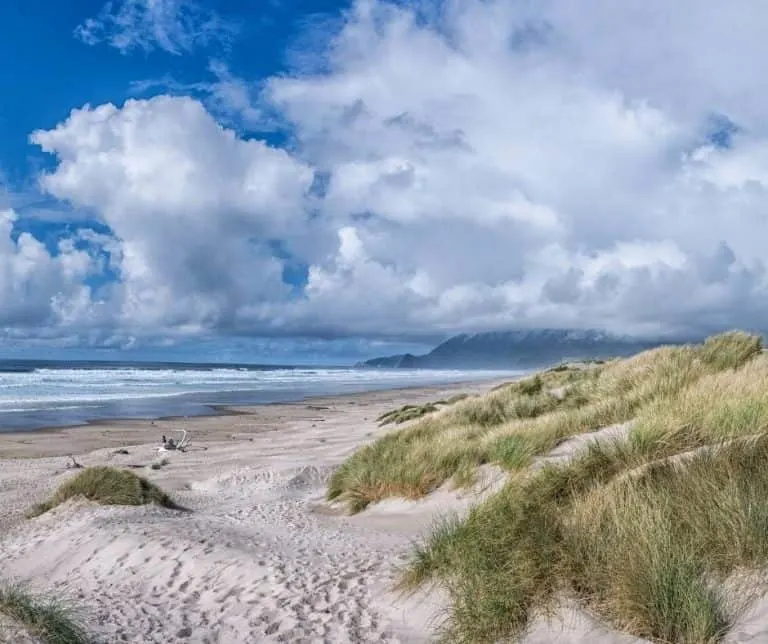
<point>37,394</point>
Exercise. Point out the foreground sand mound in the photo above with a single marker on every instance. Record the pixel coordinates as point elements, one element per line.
<point>106,486</point>
<point>252,562</point>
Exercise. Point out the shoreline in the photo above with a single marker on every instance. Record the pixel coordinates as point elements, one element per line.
<point>77,439</point>
<point>202,408</point>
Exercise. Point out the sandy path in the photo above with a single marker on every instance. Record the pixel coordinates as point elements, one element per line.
<point>258,559</point>
<point>249,563</point>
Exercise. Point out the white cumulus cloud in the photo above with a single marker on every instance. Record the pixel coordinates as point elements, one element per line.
<point>40,288</point>
<point>456,166</point>
<point>192,207</point>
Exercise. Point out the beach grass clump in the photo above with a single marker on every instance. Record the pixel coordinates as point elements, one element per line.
<point>160,464</point>
<point>648,550</point>
<point>407,413</point>
<point>566,367</point>
<point>511,451</point>
<point>401,464</point>
<point>51,621</point>
<point>517,421</point>
<point>453,399</point>
<point>106,486</point>
<point>720,406</point>
<point>413,461</point>
<point>523,400</point>
<point>730,350</point>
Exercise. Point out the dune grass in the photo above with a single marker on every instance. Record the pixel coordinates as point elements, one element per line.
<point>107,486</point>
<point>412,412</point>
<point>646,532</point>
<point>406,413</point>
<point>648,552</point>
<point>52,621</point>
<point>515,422</point>
<point>720,406</point>
<point>413,461</point>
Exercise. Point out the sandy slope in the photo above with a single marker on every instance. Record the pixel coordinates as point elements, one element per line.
<point>259,557</point>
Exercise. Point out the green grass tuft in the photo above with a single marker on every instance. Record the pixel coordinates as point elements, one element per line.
<point>512,451</point>
<point>429,557</point>
<point>730,350</point>
<point>407,413</point>
<point>531,386</point>
<point>107,486</point>
<point>54,622</point>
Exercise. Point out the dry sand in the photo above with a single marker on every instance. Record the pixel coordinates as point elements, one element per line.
<point>260,557</point>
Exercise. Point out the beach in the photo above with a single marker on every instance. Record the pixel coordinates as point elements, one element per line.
<point>254,552</point>
<point>258,557</point>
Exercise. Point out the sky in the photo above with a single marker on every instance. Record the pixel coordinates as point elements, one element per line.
<point>320,181</point>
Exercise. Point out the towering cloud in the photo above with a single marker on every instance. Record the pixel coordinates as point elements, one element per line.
<point>460,166</point>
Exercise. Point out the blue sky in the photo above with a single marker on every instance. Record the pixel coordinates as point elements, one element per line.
<point>53,72</point>
<point>56,71</point>
<point>319,181</point>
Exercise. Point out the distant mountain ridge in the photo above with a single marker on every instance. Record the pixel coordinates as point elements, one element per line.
<point>511,349</point>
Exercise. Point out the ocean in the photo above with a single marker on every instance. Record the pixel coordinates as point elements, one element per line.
<point>35,394</point>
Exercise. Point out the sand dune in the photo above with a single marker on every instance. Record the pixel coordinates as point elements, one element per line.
<point>260,556</point>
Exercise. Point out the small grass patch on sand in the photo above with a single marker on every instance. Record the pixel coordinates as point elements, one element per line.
<point>407,413</point>
<point>52,621</point>
<point>158,465</point>
<point>107,486</point>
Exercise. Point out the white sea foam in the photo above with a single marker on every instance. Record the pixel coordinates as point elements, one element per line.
<point>44,389</point>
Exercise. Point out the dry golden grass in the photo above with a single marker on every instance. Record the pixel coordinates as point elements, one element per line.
<point>513,423</point>
<point>719,406</point>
